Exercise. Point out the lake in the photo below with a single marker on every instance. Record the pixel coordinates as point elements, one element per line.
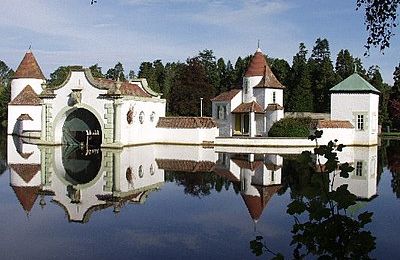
<point>174,202</point>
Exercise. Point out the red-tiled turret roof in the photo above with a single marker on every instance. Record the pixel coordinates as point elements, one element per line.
<point>26,196</point>
<point>29,68</point>
<point>26,97</point>
<point>26,171</point>
<point>256,204</point>
<point>259,67</point>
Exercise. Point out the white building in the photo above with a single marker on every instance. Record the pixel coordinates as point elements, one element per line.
<point>252,110</point>
<point>354,111</point>
<point>85,110</point>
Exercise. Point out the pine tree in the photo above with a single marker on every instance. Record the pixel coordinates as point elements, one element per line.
<point>344,64</point>
<point>323,76</point>
<point>300,98</point>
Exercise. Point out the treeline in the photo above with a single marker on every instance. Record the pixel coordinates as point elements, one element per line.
<point>307,78</point>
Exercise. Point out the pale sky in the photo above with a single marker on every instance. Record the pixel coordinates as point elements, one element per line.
<point>73,32</point>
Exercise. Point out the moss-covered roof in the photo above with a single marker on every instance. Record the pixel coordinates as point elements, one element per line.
<point>354,84</point>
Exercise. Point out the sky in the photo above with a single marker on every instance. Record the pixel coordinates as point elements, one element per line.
<point>73,32</point>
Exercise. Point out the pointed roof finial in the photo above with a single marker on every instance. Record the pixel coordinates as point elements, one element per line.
<point>258,46</point>
<point>355,68</point>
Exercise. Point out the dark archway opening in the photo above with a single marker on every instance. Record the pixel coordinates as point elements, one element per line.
<point>80,165</point>
<point>81,128</point>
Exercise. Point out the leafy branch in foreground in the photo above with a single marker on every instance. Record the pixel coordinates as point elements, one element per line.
<point>322,228</point>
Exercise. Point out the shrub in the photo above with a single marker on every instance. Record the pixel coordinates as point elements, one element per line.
<point>291,127</point>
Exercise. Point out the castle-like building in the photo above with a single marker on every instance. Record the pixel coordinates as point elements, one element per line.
<point>253,109</point>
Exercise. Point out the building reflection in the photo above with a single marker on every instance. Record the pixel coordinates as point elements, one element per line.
<point>82,181</point>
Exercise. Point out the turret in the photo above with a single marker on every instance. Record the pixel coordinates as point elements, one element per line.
<point>27,73</point>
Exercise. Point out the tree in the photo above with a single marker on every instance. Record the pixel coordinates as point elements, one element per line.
<point>116,72</point>
<point>299,96</point>
<point>189,86</point>
<point>5,91</point>
<point>394,104</point>
<point>96,71</point>
<point>344,64</point>
<point>322,75</point>
<point>375,79</point>
<point>60,75</point>
<point>380,19</point>
<point>207,59</point>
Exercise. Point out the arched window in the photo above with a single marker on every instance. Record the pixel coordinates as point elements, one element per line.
<point>141,117</point>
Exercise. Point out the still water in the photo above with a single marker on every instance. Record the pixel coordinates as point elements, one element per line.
<point>174,202</point>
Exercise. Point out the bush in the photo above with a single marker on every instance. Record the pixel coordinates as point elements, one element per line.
<point>291,127</point>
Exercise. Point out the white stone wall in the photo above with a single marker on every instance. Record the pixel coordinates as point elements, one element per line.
<point>144,131</point>
<point>142,162</point>
<point>364,186</point>
<point>251,81</point>
<point>17,85</point>
<point>347,106</point>
<point>14,111</point>
<point>187,135</point>
<point>343,135</point>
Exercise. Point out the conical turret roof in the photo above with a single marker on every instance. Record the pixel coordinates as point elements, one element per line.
<point>29,68</point>
<point>259,67</point>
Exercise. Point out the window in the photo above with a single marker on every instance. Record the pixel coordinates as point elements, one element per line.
<point>274,97</point>
<point>151,169</point>
<point>272,176</point>
<point>141,117</point>
<point>140,171</point>
<point>152,116</point>
<point>221,112</point>
<point>360,122</point>
<point>359,167</point>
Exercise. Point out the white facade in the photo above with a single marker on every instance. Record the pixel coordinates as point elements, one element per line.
<point>361,109</point>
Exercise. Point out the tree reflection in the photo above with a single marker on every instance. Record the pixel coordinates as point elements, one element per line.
<point>322,226</point>
<point>198,184</point>
<point>393,158</point>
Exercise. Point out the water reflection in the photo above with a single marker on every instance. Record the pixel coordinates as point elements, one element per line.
<point>84,181</point>
<point>81,180</point>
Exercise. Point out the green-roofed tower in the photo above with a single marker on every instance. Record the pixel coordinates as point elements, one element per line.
<point>356,100</point>
<point>354,84</point>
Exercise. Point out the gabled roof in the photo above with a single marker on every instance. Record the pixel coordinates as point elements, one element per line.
<point>26,97</point>
<point>354,84</point>
<point>227,95</point>
<point>25,171</point>
<point>186,122</point>
<point>259,67</point>
<point>29,68</point>
<point>24,117</point>
<point>26,196</point>
<point>248,107</point>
